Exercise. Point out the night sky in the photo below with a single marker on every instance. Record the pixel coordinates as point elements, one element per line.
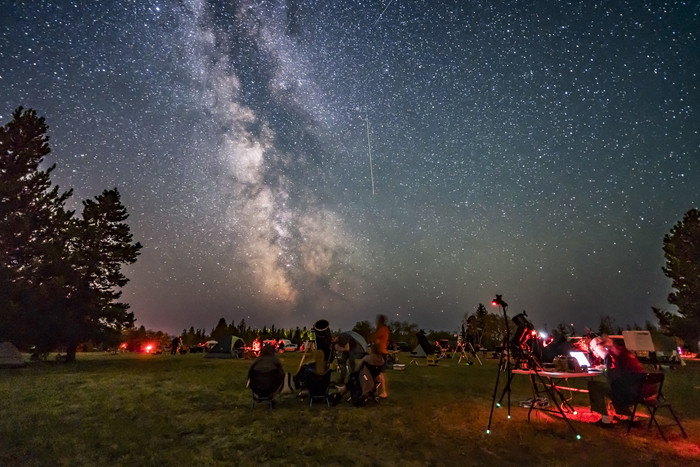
<point>534,149</point>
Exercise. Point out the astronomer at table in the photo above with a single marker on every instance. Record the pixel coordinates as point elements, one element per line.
<point>624,376</point>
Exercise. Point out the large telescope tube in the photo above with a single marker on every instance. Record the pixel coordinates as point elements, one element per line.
<point>324,340</point>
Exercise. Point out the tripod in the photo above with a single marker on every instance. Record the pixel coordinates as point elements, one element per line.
<point>462,353</point>
<point>505,353</point>
<point>463,348</point>
<point>526,360</point>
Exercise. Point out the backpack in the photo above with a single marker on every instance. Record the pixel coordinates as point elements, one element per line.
<point>355,389</point>
<point>361,385</point>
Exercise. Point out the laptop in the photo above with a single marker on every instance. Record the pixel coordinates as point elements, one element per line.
<point>581,358</point>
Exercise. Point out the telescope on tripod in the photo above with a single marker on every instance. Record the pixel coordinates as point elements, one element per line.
<point>522,351</point>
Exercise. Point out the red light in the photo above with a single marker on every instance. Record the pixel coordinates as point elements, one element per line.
<point>493,303</point>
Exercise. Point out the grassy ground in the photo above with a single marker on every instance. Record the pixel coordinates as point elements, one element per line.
<point>187,410</point>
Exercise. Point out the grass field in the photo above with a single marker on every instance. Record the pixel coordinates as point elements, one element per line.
<point>139,410</point>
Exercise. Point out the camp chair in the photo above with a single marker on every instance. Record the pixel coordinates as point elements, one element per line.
<point>651,397</point>
<point>317,385</point>
<point>265,385</point>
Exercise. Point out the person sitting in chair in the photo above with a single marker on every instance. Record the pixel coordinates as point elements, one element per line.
<point>624,374</point>
<point>266,375</point>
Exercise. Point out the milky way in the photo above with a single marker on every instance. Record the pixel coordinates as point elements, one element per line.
<point>538,150</point>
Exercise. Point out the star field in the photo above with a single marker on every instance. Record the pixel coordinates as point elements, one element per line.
<point>539,150</point>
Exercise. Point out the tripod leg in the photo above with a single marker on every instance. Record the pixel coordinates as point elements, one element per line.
<point>471,349</point>
<point>551,392</point>
<point>495,391</point>
<point>506,389</point>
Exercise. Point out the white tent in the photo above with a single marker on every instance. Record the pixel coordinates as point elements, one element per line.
<point>10,357</point>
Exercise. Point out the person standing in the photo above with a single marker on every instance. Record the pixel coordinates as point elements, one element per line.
<point>381,341</point>
<point>341,345</point>
<point>256,347</point>
<point>175,345</point>
<point>347,350</point>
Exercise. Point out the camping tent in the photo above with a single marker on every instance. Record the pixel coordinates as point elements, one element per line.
<point>227,347</point>
<point>10,357</point>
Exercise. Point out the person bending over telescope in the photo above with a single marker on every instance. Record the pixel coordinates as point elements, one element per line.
<point>624,374</point>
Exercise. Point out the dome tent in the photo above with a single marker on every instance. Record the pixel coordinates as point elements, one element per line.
<point>227,347</point>
<point>10,357</point>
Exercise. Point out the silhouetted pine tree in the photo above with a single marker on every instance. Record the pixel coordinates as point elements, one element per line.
<point>682,252</point>
<point>33,231</point>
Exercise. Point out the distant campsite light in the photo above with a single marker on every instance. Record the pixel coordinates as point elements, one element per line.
<point>150,348</point>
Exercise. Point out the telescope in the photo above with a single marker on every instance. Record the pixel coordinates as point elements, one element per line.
<point>324,339</point>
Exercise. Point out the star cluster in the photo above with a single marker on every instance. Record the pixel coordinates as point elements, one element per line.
<point>287,161</point>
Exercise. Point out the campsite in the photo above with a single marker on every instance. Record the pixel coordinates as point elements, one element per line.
<point>140,409</point>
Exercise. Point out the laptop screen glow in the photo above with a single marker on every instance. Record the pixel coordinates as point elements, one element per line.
<point>581,358</point>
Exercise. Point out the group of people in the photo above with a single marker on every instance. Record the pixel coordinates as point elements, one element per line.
<point>349,352</point>
<point>351,358</point>
<point>624,373</point>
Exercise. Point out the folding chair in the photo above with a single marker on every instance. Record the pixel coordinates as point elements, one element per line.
<point>265,385</point>
<point>318,385</point>
<point>651,397</point>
